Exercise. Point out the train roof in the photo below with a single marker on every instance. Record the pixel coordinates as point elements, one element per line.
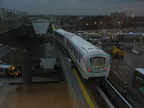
<point>80,42</point>
<point>63,32</point>
<point>84,45</point>
<point>5,65</point>
<point>140,70</point>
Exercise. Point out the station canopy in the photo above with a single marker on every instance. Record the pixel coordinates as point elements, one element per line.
<point>40,26</point>
<point>48,63</point>
<point>140,70</point>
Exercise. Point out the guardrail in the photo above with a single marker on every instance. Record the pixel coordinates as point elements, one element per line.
<point>9,14</point>
<point>70,88</point>
<point>118,93</point>
<point>74,89</point>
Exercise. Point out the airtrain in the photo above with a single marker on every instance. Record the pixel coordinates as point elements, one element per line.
<point>90,60</point>
<point>9,70</point>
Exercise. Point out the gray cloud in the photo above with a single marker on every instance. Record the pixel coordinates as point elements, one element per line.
<point>74,7</point>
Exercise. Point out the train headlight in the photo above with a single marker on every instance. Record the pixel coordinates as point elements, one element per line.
<point>13,68</point>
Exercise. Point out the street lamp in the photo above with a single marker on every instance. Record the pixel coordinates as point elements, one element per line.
<point>87,24</point>
<point>120,23</point>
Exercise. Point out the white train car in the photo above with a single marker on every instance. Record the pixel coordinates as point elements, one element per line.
<point>90,60</point>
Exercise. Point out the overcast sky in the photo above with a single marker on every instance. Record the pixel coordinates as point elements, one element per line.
<point>75,7</point>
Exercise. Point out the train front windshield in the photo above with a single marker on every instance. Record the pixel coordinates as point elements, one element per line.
<point>97,62</point>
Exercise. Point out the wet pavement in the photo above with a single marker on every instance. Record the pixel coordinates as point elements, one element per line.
<point>48,89</point>
<point>126,65</point>
<point>125,73</point>
<point>35,96</point>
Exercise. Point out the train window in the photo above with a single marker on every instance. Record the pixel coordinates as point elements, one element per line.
<point>76,54</point>
<point>6,70</point>
<point>79,57</point>
<point>97,62</point>
<point>70,47</point>
<point>60,36</point>
<point>68,44</point>
<point>1,69</point>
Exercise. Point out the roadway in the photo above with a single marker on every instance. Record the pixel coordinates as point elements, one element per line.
<point>124,72</point>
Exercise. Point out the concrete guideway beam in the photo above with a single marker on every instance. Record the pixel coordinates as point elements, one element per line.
<point>79,96</point>
<point>26,67</point>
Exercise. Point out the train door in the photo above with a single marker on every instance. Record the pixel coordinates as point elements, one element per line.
<point>2,71</point>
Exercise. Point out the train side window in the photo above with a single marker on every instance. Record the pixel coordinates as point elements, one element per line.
<point>60,36</point>
<point>6,70</point>
<point>68,44</point>
<point>76,54</point>
<point>56,34</point>
<point>70,47</point>
<point>142,76</point>
<point>79,58</point>
<point>1,69</point>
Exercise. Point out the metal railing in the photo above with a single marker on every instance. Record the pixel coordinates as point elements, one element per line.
<point>70,87</point>
<point>10,19</point>
<point>8,14</point>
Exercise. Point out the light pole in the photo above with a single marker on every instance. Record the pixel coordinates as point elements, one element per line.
<point>120,23</point>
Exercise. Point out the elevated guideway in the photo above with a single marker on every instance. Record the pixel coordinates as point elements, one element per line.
<point>78,93</point>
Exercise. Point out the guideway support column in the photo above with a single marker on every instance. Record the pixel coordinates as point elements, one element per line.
<point>26,67</point>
